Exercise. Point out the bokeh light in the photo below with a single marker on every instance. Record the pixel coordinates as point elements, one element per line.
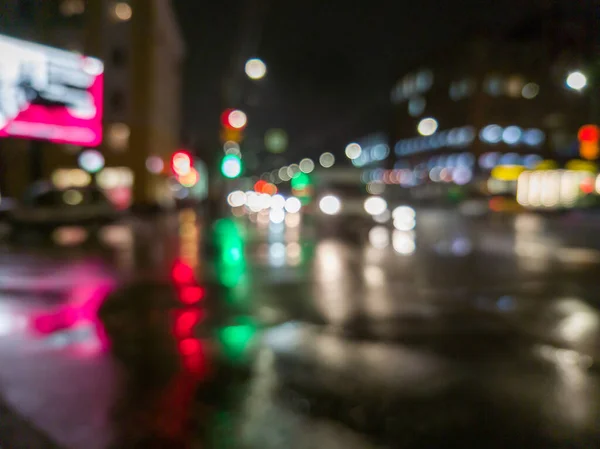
<point>236,198</point>
<point>237,119</point>
<point>277,202</point>
<point>307,165</point>
<point>379,237</point>
<point>122,12</point>
<point>427,126</point>
<point>91,161</point>
<point>403,242</point>
<point>293,205</point>
<point>277,216</point>
<point>330,205</point>
<point>255,69</point>
<point>530,91</point>
<point>375,205</point>
<point>276,140</point>
<point>231,166</point>
<point>155,164</point>
<point>327,160</point>
<point>576,80</point>
<point>353,151</point>
<point>283,174</point>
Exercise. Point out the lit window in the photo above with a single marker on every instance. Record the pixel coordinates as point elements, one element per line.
<point>416,106</point>
<point>488,160</point>
<point>121,12</point>
<point>514,86</point>
<point>408,86</point>
<point>512,135</point>
<point>396,95</point>
<point>461,89</point>
<point>493,86</point>
<point>454,91</point>
<point>534,137</point>
<point>70,8</point>
<point>424,80</point>
<point>118,136</point>
<point>491,134</point>
<point>530,90</point>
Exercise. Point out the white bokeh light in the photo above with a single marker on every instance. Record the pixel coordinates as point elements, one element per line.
<point>427,126</point>
<point>330,205</point>
<point>327,160</point>
<point>375,205</point>
<point>576,80</point>
<point>237,119</point>
<point>353,151</point>
<point>307,165</point>
<point>277,202</point>
<point>236,198</point>
<point>379,237</point>
<point>255,69</point>
<point>293,205</point>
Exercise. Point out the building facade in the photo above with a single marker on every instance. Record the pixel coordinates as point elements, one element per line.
<point>140,44</point>
<point>494,101</point>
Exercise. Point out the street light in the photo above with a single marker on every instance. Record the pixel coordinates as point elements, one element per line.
<point>353,151</point>
<point>427,126</point>
<point>255,69</point>
<point>576,80</point>
<point>237,119</point>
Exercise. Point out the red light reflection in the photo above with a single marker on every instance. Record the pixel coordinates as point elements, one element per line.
<point>191,295</point>
<point>183,273</point>
<point>190,346</point>
<point>185,322</point>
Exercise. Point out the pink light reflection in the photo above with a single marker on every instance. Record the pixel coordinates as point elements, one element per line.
<point>80,310</point>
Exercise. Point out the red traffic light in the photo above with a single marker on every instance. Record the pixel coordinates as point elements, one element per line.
<point>234,119</point>
<point>181,163</point>
<point>588,133</point>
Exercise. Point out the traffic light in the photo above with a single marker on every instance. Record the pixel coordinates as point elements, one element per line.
<point>588,142</point>
<point>231,166</point>
<point>234,119</point>
<point>181,163</point>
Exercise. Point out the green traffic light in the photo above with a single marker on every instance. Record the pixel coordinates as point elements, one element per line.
<point>231,166</point>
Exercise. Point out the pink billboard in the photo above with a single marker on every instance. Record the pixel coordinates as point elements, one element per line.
<point>50,94</point>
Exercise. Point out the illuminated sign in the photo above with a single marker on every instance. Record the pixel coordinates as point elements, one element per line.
<point>49,94</point>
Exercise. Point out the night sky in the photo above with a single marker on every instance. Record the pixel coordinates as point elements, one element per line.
<point>331,62</point>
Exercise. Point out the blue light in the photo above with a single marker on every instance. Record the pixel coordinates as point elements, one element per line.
<point>532,160</point>
<point>510,159</point>
<point>416,106</point>
<point>491,134</point>
<point>466,160</point>
<point>534,137</point>
<point>380,152</point>
<point>424,80</point>
<point>454,137</point>
<point>512,135</point>
<point>452,161</point>
<point>506,303</point>
<point>488,160</point>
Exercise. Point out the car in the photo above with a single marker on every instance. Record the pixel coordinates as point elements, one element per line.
<point>48,207</point>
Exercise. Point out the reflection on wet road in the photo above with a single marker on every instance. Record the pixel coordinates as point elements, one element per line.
<point>479,333</point>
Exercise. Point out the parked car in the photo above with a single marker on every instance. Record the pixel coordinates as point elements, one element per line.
<point>48,207</point>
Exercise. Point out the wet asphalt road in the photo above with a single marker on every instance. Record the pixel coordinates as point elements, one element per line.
<point>471,333</point>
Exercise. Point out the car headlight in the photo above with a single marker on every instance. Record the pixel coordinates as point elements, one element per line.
<point>375,205</point>
<point>330,205</point>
